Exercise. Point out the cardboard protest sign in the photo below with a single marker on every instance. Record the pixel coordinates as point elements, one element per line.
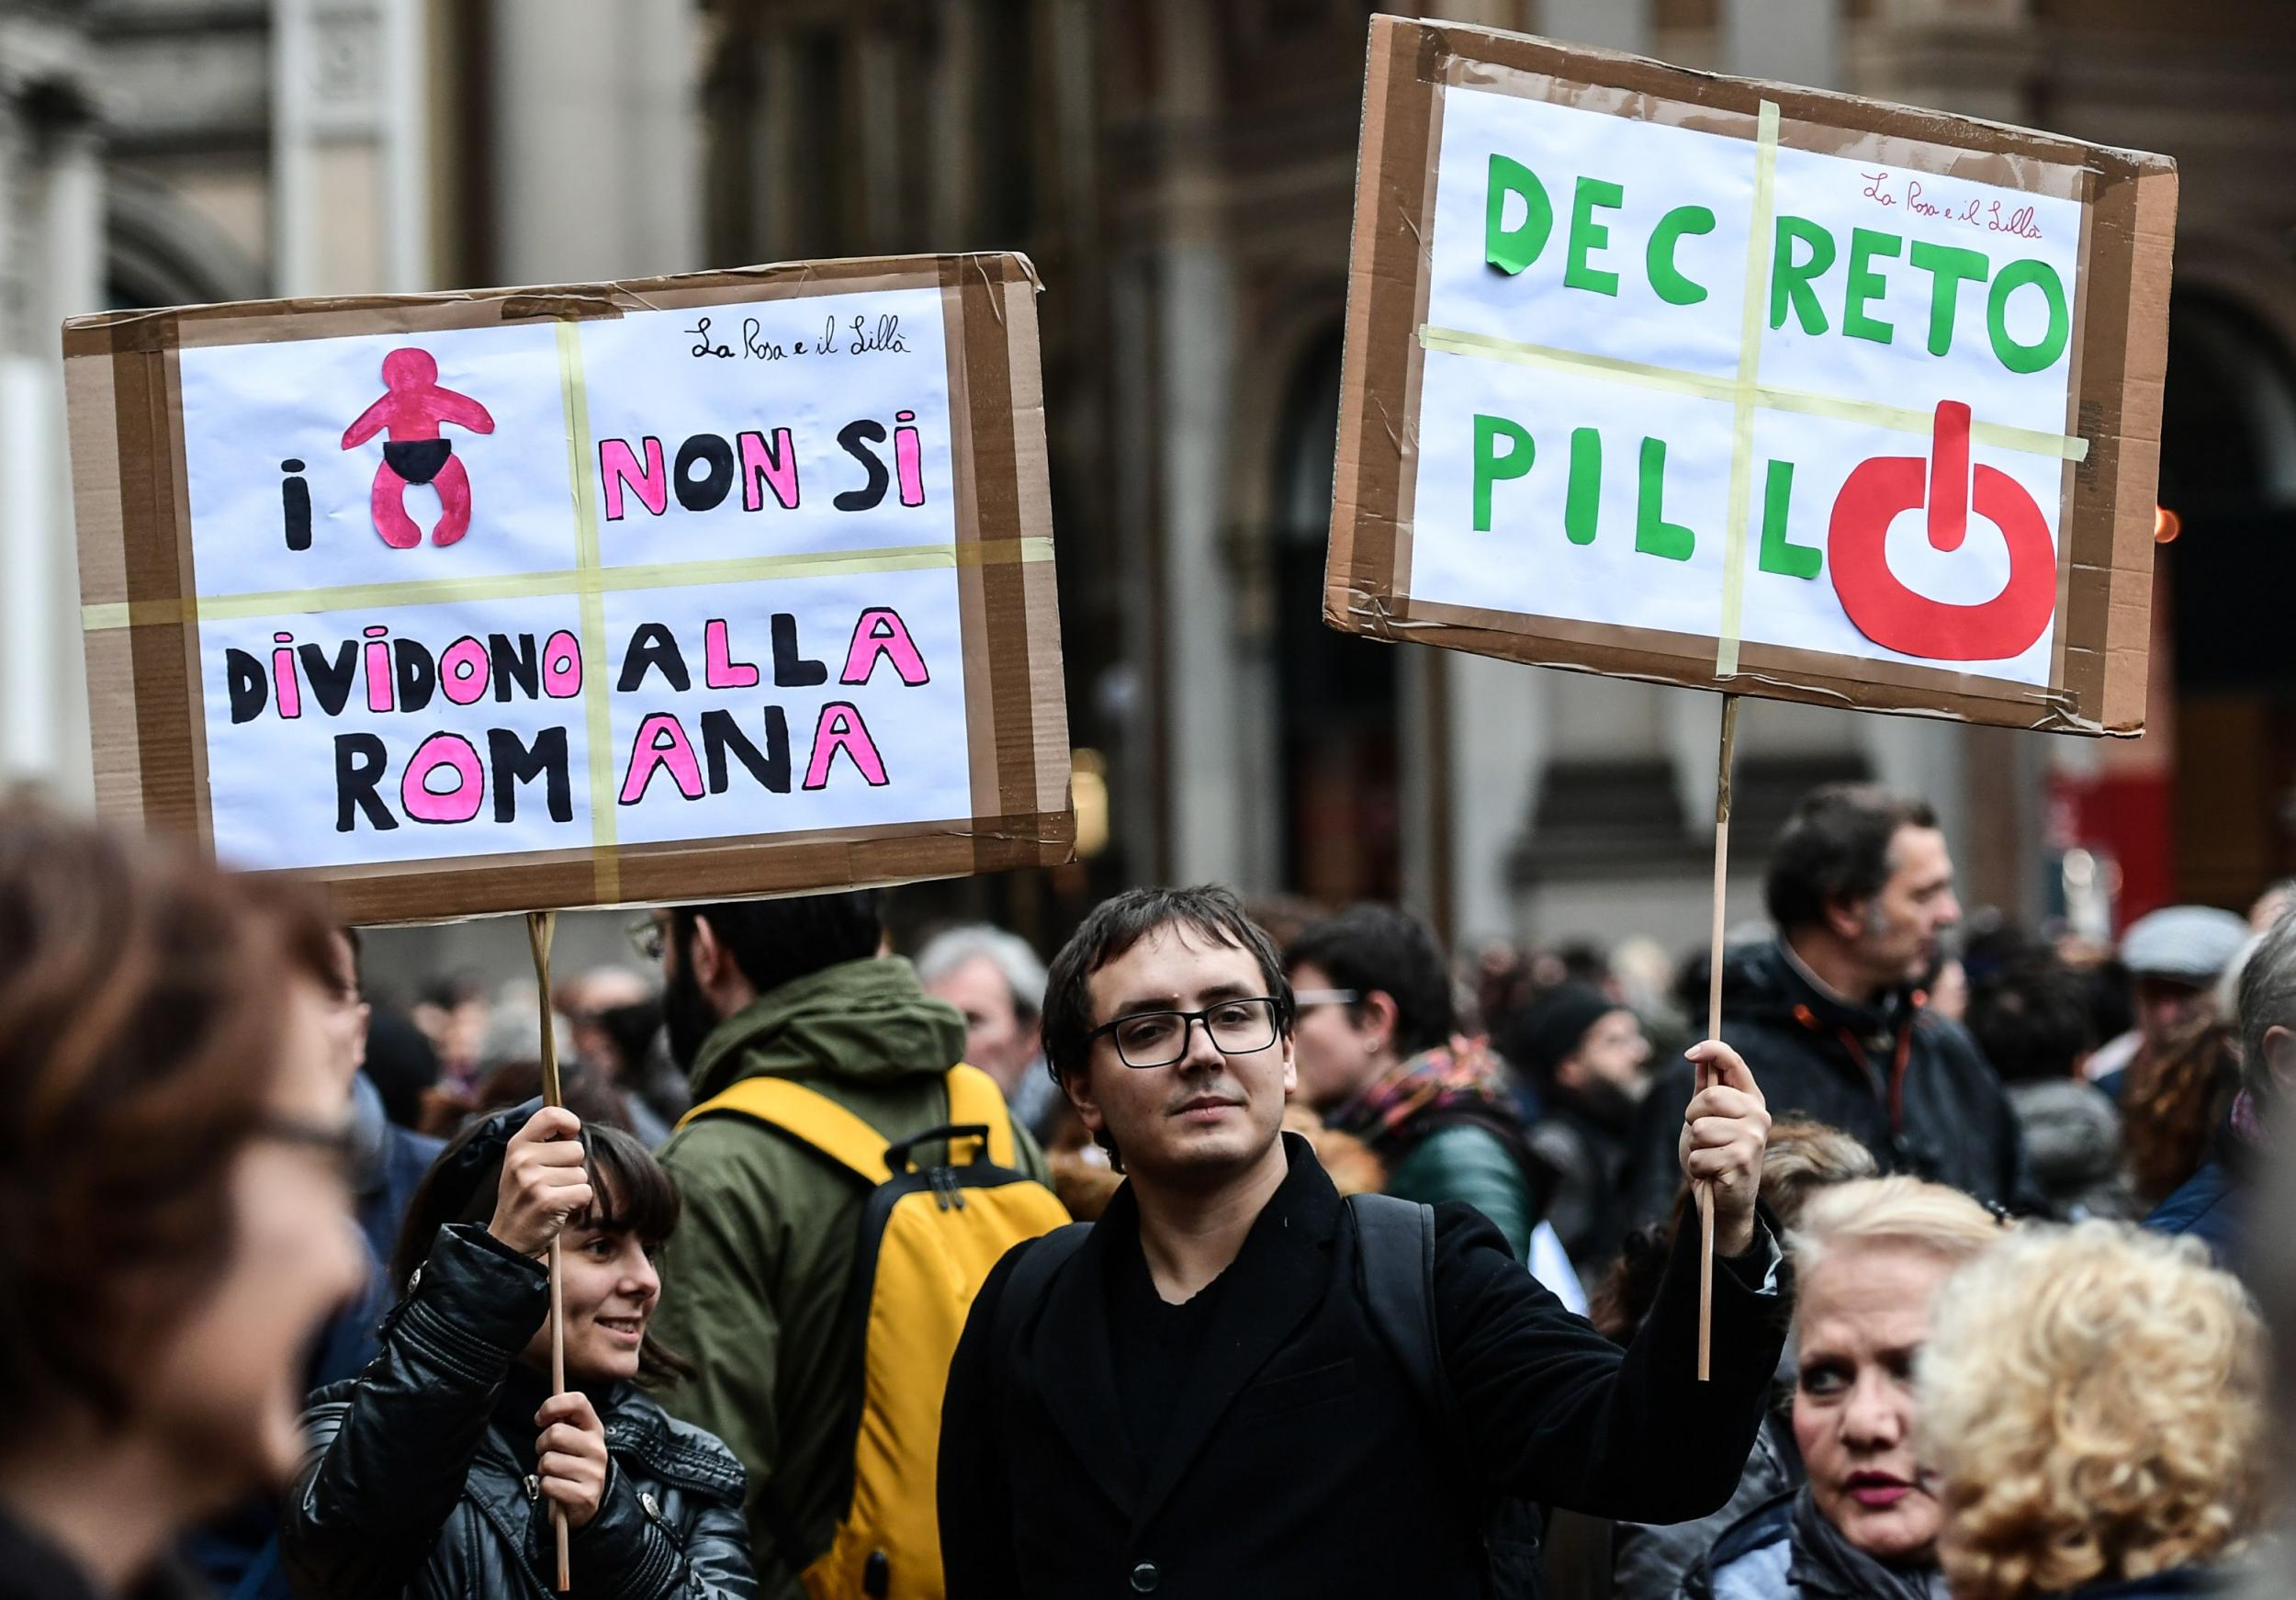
<point>1726,384</point>
<point>705,586</point>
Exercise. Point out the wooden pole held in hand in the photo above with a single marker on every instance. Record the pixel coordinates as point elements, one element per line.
<point>1714,1022</point>
<point>540,926</point>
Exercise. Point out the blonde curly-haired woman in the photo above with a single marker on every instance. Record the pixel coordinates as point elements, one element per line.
<point>2092,1401</point>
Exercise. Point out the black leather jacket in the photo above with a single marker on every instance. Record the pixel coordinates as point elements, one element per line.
<point>415,1486</point>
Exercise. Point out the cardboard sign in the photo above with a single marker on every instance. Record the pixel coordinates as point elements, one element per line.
<point>1737,386</point>
<point>725,584</point>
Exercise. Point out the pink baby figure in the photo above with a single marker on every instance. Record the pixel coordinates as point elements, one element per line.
<point>412,408</point>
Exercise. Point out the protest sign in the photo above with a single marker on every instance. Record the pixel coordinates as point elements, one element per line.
<point>705,586</point>
<point>1726,384</point>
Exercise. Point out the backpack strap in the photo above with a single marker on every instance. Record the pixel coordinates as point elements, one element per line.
<point>973,1098</point>
<point>1395,1275</point>
<point>1032,1273</point>
<point>813,1118</point>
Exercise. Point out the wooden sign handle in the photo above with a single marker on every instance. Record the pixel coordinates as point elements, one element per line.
<point>540,926</point>
<point>1714,1022</point>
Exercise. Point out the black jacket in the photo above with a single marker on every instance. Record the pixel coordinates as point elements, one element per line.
<point>1941,1115</point>
<point>1297,1459</point>
<point>417,1480</point>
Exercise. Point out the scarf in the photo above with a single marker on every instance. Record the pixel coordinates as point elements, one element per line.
<point>1458,1082</point>
<point>1827,1564</point>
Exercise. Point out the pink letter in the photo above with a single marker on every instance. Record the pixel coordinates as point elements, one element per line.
<point>760,467</point>
<point>562,666</point>
<point>288,693</point>
<point>720,670</point>
<point>661,743</point>
<point>877,633</point>
<point>459,804</point>
<point>840,729</point>
<point>379,686</point>
<point>618,467</point>
<point>462,670</point>
<point>908,460</point>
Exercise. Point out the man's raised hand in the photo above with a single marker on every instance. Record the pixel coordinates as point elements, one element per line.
<point>1725,1131</point>
<point>545,1181</point>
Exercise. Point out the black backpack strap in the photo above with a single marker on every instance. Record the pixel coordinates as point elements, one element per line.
<point>1031,1276</point>
<point>1395,1275</point>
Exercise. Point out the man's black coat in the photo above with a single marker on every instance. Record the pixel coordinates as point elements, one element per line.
<point>1296,1460</point>
<point>1908,1083</point>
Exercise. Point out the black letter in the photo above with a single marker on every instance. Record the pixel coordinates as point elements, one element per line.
<point>331,684</point>
<point>250,688</point>
<point>514,661</point>
<point>850,435</point>
<point>359,762</point>
<point>416,672</point>
<point>792,670</point>
<point>295,495</point>
<point>702,494</point>
<point>514,763</point>
<point>720,733</point>
<point>653,645</point>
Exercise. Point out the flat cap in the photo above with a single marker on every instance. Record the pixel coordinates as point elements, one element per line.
<point>2192,944</point>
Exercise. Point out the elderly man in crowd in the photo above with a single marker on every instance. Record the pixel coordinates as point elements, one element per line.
<point>997,982</point>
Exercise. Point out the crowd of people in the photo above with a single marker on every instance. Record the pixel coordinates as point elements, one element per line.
<point>1384,1276</point>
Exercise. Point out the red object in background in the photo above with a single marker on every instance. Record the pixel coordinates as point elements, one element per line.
<point>2129,816</point>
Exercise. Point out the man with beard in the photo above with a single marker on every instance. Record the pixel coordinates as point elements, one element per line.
<point>1586,1055</point>
<point>756,1277</point>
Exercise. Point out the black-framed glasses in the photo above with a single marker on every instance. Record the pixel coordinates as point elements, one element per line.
<point>1148,1039</point>
<point>649,936</point>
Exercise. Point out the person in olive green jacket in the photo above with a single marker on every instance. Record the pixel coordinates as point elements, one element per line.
<point>1376,1059</point>
<point>756,1275</point>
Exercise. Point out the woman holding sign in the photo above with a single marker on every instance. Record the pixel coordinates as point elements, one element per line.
<point>437,1471</point>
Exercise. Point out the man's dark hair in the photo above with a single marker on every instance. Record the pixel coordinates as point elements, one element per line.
<point>2030,1017</point>
<point>1836,847</point>
<point>776,941</point>
<point>1115,925</point>
<point>1370,947</point>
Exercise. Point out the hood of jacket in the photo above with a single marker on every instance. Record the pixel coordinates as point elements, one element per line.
<point>867,1019</point>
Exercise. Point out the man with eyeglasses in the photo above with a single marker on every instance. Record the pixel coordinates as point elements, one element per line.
<point>1204,1393</point>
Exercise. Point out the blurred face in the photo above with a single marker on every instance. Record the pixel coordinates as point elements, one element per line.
<point>1613,1052</point>
<point>225,1390</point>
<point>1861,1321</point>
<point>1209,1116</point>
<point>346,1017</point>
<point>2163,1005</point>
<point>611,1288</point>
<point>996,1038</point>
<point>1338,1047</point>
<point>1899,941</point>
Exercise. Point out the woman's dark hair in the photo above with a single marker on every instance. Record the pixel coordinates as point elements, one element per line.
<point>1836,847</point>
<point>1118,923</point>
<point>141,1026</point>
<point>777,941</point>
<point>1376,947</point>
<point>635,1195</point>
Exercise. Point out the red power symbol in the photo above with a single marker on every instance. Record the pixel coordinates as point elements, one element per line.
<point>1896,618</point>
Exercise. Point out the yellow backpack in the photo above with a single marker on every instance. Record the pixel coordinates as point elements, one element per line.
<point>928,1237</point>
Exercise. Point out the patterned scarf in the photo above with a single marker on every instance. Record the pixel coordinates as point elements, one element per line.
<point>1462,1081</point>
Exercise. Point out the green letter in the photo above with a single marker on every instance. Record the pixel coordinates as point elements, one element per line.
<point>1866,284</point>
<point>1584,501</point>
<point>1948,267</point>
<point>1780,554</point>
<point>1671,286</point>
<point>1653,533</point>
<point>1491,467</point>
<point>2028,357</point>
<point>1511,250</point>
<point>1789,279</point>
<point>1587,234</point>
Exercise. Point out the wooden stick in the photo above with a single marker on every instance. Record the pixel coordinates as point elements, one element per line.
<point>540,926</point>
<point>1714,1021</point>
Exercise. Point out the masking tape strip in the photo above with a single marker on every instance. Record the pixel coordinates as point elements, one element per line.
<point>1902,419</point>
<point>605,867</point>
<point>1749,370</point>
<point>575,581</point>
